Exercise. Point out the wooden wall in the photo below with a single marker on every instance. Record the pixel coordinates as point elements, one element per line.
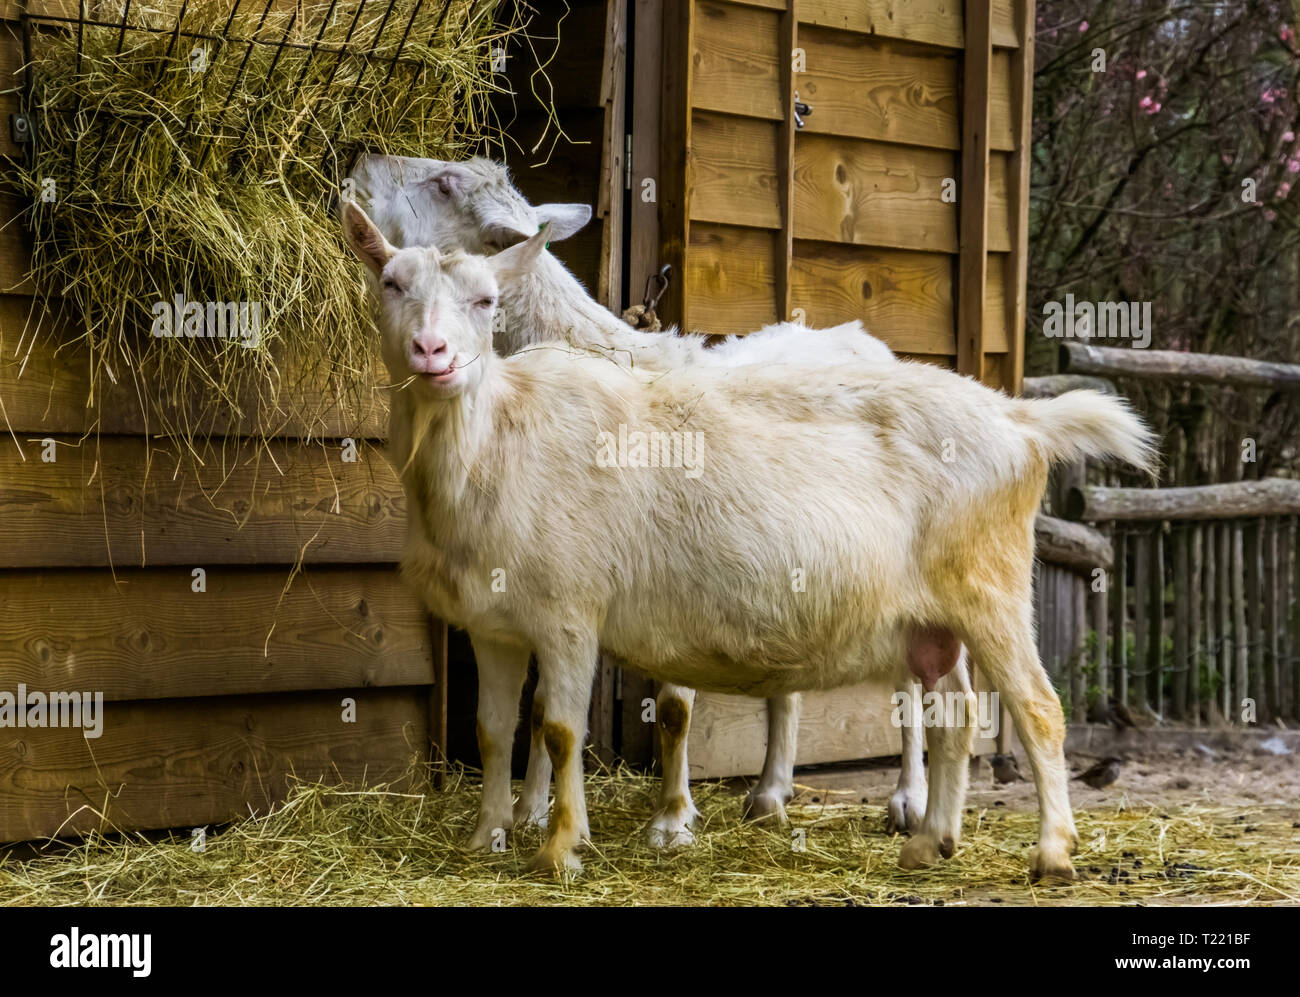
<point>844,218</point>
<point>212,699</point>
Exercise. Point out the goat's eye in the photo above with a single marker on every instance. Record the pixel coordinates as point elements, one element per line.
<point>392,285</point>
<point>485,302</point>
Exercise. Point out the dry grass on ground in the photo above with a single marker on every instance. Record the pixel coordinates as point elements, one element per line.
<point>327,847</point>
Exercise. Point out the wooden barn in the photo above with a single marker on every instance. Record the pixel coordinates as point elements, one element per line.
<point>814,160</point>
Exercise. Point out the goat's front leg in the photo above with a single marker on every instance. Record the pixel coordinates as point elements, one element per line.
<point>534,801</point>
<point>568,670</point>
<point>907,805</point>
<point>775,786</point>
<point>670,827</point>
<point>501,671</point>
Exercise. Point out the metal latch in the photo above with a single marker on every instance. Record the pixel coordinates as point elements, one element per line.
<point>801,110</point>
<point>20,129</point>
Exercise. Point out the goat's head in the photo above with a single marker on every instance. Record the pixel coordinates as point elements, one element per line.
<point>471,205</point>
<point>434,310</point>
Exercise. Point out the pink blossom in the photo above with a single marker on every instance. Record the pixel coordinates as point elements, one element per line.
<point>1293,165</point>
<point>1155,106</point>
<point>1285,33</point>
<point>1288,136</point>
<point>1267,96</point>
<point>1227,159</point>
<point>1270,215</point>
<point>1140,75</point>
<point>1145,102</point>
<point>1083,27</point>
<point>1283,189</point>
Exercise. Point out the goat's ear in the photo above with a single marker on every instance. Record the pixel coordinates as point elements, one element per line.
<point>520,258</point>
<point>564,219</point>
<point>365,240</point>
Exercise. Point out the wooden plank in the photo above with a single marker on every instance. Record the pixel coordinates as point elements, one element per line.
<point>1181,539</point>
<point>862,87</point>
<point>737,60</point>
<point>735,171</point>
<point>871,194</point>
<point>137,502</point>
<point>1272,619</point>
<point>1240,634</point>
<point>1015,268</point>
<point>1156,645</point>
<point>1195,612</point>
<point>643,212</point>
<point>1212,632</point>
<point>730,276</point>
<point>789,40</point>
<point>1293,632</point>
<point>436,701</point>
<point>676,142</point>
<point>15,249</point>
<point>932,22</point>
<point>1141,595</point>
<point>972,273</point>
<point>1254,569</point>
<point>144,634</point>
<point>12,81</point>
<point>903,298</point>
<point>1226,633</point>
<point>609,208</point>
<point>728,733</point>
<point>46,381</point>
<point>1101,624</point>
<point>1119,605</point>
<point>192,762</point>
<point>1078,649</point>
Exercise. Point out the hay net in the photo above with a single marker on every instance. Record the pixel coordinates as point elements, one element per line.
<point>182,174</point>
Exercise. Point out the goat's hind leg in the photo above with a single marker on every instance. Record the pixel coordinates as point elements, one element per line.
<point>775,786</point>
<point>907,805</point>
<point>948,737</point>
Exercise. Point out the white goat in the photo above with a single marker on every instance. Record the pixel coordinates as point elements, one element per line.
<point>906,554</point>
<point>475,207</point>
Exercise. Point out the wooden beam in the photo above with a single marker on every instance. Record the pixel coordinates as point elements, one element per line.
<point>789,39</point>
<point>1058,384</point>
<point>1017,263</point>
<point>675,157</point>
<point>613,98</point>
<point>643,214</point>
<point>1072,545</point>
<point>1237,499</point>
<point>1172,365</point>
<point>973,240</point>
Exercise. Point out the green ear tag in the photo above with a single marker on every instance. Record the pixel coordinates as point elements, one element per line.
<point>542,228</point>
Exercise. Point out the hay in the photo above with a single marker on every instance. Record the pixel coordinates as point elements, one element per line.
<point>328,847</point>
<point>210,169</point>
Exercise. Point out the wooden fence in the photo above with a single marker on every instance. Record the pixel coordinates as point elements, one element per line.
<point>1178,602</point>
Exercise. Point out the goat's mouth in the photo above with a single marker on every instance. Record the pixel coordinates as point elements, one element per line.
<point>446,376</point>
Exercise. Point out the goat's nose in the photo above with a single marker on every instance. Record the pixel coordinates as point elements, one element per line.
<point>428,344</point>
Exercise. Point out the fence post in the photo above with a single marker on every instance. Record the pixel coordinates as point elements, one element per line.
<point>1183,591</point>
<point>1196,599</point>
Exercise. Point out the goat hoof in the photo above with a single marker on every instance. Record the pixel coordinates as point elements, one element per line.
<point>555,862</point>
<point>527,813</point>
<point>670,831</point>
<point>487,835</point>
<point>1047,867</point>
<point>764,806</point>
<point>905,814</point>
<point>920,852</point>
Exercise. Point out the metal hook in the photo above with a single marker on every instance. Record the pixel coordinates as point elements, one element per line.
<point>662,277</point>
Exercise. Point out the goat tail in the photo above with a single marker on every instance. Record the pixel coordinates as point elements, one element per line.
<point>1084,423</point>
